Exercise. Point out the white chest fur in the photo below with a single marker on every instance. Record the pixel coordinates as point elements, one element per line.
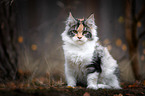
<point>77,57</point>
<point>81,54</point>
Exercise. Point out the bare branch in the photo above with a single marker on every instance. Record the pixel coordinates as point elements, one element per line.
<point>11,2</point>
<point>7,2</point>
<point>141,13</point>
<point>142,34</point>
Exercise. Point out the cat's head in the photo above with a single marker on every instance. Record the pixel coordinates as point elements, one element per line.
<point>80,31</point>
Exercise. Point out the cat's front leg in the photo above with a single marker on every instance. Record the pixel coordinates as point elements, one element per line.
<point>92,79</point>
<point>71,81</point>
<point>70,78</point>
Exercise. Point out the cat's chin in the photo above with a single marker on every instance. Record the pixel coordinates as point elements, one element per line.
<point>80,42</point>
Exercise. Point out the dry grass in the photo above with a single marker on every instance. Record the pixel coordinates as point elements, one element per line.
<point>43,71</point>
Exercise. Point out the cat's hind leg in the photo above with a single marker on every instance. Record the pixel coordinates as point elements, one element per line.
<point>92,79</point>
<point>103,86</point>
<point>109,80</point>
<point>113,82</point>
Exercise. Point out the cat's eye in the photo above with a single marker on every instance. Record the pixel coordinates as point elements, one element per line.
<point>87,34</point>
<point>74,31</point>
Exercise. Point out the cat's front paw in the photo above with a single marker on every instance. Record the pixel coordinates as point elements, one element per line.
<point>92,87</point>
<point>103,86</point>
<point>71,86</point>
<point>118,87</point>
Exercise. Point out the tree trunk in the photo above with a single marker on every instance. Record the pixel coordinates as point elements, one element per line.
<point>131,36</point>
<point>8,42</point>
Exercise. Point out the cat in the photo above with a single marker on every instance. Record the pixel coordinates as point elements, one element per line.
<point>87,63</point>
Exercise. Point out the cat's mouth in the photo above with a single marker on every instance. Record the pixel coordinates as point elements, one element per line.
<point>80,41</point>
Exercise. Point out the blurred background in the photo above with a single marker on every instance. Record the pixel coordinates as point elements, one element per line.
<point>30,35</point>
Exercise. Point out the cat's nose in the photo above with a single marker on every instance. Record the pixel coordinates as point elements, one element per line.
<point>79,37</point>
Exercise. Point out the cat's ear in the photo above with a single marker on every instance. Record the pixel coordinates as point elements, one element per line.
<point>70,20</point>
<point>91,20</point>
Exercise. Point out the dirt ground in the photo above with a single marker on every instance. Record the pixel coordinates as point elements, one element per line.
<point>43,87</point>
<point>78,91</point>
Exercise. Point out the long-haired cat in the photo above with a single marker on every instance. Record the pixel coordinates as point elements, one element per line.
<point>86,62</point>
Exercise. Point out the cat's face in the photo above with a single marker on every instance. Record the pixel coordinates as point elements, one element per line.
<point>80,30</point>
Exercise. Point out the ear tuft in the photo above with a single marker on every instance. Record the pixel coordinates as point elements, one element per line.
<point>70,20</point>
<point>91,21</point>
<point>70,15</point>
<point>91,17</point>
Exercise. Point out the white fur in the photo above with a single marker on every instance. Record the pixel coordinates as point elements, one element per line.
<point>78,55</point>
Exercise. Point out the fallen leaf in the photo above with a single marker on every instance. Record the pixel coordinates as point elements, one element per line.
<point>129,95</point>
<point>86,94</point>
<point>142,93</point>
<point>143,51</point>
<point>130,86</point>
<point>70,87</point>
<point>142,58</point>
<point>118,94</point>
<point>11,85</point>
<point>144,82</point>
